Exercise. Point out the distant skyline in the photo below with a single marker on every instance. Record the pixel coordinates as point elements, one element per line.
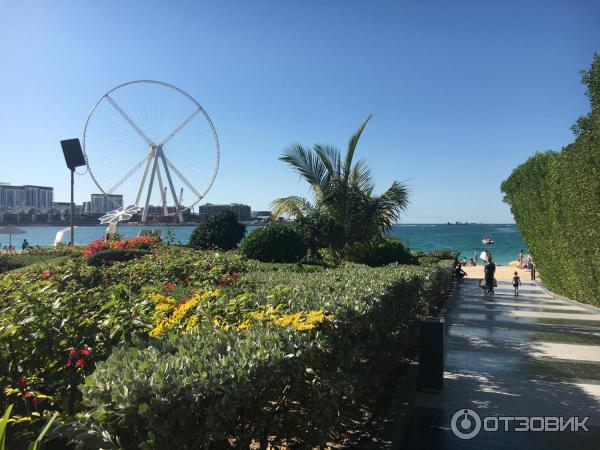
<point>461,92</point>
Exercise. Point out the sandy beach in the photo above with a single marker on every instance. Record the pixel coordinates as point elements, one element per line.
<point>502,272</point>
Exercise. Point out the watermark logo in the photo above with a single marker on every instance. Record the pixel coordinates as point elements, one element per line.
<point>466,423</point>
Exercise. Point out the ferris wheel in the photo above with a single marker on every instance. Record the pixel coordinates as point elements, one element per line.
<point>158,127</point>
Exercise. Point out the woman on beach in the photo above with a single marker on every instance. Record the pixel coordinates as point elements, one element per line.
<point>489,271</point>
<point>521,256</point>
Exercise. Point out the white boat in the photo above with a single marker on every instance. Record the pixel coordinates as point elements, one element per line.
<point>487,240</point>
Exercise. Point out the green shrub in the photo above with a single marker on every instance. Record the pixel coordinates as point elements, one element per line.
<point>555,200</point>
<point>251,380</point>
<point>439,255</point>
<point>47,310</point>
<point>319,231</point>
<point>58,250</point>
<point>380,252</point>
<point>107,257</point>
<point>11,262</point>
<point>274,243</point>
<point>428,260</point>
<point>221,231</point>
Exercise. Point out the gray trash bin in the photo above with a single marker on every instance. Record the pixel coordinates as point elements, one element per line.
<point>431,354</point>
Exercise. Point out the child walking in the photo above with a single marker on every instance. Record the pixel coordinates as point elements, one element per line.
<point>516,283</point>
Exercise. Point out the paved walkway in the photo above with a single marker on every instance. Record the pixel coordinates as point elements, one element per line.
<point>532,356</point>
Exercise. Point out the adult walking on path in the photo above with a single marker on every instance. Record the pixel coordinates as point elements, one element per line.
<point>490,270</point>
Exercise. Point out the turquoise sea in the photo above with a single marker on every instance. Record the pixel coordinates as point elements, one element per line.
<point>424,237</point>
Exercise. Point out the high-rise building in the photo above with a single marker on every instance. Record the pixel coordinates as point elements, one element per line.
<point>101,203</point>
<point>38,197</point>
<point>23,198</point>
<point>242,212</point>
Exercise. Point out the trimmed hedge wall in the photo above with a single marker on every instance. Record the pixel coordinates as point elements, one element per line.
<point>555,200</point>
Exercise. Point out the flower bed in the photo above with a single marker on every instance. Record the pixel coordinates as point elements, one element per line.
<point>140,242</point>
<point>193,349</point>
<point>277,361</point>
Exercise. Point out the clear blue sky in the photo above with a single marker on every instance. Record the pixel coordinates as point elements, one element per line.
<point>461,92</point>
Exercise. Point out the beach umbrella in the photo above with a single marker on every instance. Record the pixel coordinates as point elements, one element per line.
<point>10,230</point>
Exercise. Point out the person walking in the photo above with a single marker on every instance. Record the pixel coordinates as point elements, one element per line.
<point>516,282</point>
<point>521,258</point>
<point>489,270</point>
<point>533,270</point>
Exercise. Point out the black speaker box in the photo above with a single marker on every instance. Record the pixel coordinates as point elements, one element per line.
<point>431,355</point>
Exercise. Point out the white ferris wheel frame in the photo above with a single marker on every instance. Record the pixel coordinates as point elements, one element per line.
<point>156,154</point>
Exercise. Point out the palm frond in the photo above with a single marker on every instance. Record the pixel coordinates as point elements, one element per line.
<point>292,206</point>
<point>352,147</point>
<point>361,177</point>
<point>306,163</point>
<point>331,158</point>
<point>389,205</point>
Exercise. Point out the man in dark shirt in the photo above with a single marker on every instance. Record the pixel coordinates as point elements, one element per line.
<point>489,270</point>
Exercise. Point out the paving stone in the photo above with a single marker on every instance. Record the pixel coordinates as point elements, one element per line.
<point>532,356</point>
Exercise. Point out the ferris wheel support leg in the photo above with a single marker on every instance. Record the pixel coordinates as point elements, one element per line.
<point>139,194</point>
<point>150,184</point>
<point>163,196</point>
<point>170,180</point>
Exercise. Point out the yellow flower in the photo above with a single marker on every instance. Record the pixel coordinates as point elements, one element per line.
<point>302,326</point>
<point>243,326</point>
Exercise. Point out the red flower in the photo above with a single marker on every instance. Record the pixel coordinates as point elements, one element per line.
<point>72,353</point>
<point>45,275</point>
<point>69,362</point>
<point>80,363</point>
<point>28,394</point>
<point>169,286</point>
<point>22,381</point>
<point>85,352</point>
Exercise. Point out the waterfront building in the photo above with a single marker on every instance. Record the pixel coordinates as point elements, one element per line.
<point>101,203</point>
<point>242,212</point>
<point>25,198</point>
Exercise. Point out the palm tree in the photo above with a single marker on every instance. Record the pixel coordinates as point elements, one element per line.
<point>342,190</point>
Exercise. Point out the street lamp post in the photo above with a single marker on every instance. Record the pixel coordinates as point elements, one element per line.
<point>74,158</point>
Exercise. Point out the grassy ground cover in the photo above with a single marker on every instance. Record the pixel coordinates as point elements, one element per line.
<point>182,348</point>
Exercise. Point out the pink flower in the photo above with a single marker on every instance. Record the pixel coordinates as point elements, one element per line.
<point>85,352</point>
<point>80,363</point>
<point>169,286</point>
<point>45,275</point>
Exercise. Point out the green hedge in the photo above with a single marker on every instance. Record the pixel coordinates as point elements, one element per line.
<point>215,386</point>
<point>555,200</point>
<point>274,243</point>
<point>47,310</point>
<point>379,252</point>
<point>223,230</point>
